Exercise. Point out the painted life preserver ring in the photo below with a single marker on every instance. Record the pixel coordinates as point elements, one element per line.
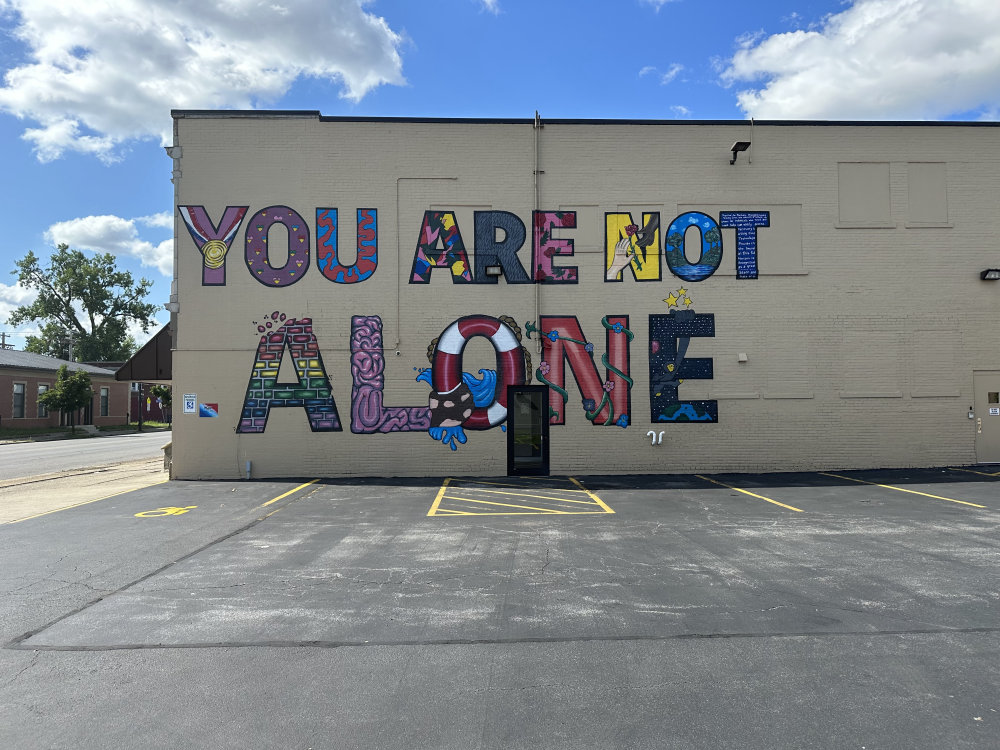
<point>447,367</point>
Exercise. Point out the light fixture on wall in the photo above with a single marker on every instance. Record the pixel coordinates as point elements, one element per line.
<point>990,274</point>
<point>737,147</point>
<point>494,271</point>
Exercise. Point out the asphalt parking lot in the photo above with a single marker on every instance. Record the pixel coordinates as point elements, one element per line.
<point>834,610</point>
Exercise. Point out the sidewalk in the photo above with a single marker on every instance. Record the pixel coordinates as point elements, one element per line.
<point>30,497</point>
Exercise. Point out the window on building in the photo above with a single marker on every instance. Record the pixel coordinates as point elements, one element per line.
<point>42,409</point>
<point>927,193</point>
<point>863,190</point>
<point>18,412</point>
<point>105,392</point>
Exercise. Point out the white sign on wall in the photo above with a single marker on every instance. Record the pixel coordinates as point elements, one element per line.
<point>190,403</point>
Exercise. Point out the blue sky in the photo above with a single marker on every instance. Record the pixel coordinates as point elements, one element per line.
<point>88,87</point>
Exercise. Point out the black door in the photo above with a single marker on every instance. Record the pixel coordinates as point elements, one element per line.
<point>527,430</point>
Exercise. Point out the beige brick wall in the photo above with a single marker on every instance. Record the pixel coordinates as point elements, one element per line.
<point>861,340</point>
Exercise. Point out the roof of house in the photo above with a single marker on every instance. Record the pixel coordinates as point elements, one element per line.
<point>31,361</point>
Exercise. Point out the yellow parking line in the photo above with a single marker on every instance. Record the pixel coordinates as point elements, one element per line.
<point>900,489</point>
<point>592,496</point>
<point>751,494</point>
<point>527,494</point>
<point>290,492</point>
<point>515,486</point>
<point>440,495</point>
<point>508,505</point>
<point>530,513</point>
<point>980,473</point>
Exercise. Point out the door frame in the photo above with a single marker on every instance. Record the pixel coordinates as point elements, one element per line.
<point>982,413</point>
<point>543,469</point>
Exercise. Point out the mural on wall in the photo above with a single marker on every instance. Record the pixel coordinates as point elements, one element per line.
<point>213,241</point>
<point>458,399</point>
<point>605,402</point>
<point>368,410</point>
<point>326,246</point>
<point>258,257</point>
<point>312,390</point>
<point>461,401</point>
<point>440,245</point>
<point>629,246</point>
<point>669,365</point>
<point>490,252</point>
<point>544,247</point>
<point>746,224</point>
<point>710,254</point>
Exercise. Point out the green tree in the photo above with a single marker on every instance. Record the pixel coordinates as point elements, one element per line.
<point>72,391</point>
<point>83,298</point>
<point>163,393</point>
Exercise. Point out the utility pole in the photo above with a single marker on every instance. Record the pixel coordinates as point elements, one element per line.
<point>3,341</point>
<point>69,340</point>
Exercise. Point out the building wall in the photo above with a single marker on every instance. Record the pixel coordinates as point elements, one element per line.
<point>117,399</point>
<point>148,405</point>
<point>845,333</point>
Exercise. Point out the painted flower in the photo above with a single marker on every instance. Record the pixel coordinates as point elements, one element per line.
<point>622,421</point>
<point>618,327</point>
<point>553,336</point>
<point>588,347</point>
<point>631,229</point>
<point>589,405</point>
<point>544,367</point>
<point>609,386</point>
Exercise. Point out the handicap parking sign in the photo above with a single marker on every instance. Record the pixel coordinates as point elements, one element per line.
<point>190,403</point>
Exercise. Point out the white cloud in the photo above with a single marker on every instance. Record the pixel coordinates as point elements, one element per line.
<point>493,6</point>
<point>657,4</point>
<point>879,59</point>
<point>101,73</point>
<point>680,110</point>
<point>671,73</point>
<point>164,219</point>
<point>113,234</point>
<point>135,331</point>
<point>13,296</point>
<point>647,70</point>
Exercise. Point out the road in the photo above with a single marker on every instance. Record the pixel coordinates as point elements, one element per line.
<point>50,457</point>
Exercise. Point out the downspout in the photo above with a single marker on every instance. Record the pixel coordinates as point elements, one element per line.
<point>537,126</point>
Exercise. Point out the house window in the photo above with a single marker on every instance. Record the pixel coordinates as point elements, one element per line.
<point>104,401</point>
<point>42,409</point>
<point>18,412</point>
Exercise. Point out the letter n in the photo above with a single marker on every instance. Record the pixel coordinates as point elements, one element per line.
<point>604,402</point>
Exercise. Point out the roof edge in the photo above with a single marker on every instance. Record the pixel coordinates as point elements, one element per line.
<point>305,114</point>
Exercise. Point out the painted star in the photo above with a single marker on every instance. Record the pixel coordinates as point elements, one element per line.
<point>671,301</point>
<point>682,291</point>
<point>688,302</point>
